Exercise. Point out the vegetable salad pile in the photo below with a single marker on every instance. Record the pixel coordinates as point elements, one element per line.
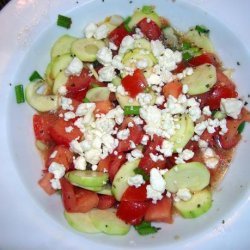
<point>135,122</point>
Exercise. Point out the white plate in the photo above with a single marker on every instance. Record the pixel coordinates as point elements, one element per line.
<point>30,219</point>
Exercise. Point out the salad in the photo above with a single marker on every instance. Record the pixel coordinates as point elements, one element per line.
<point>137,122</point>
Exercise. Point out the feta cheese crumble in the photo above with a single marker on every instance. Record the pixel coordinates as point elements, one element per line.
<point>231,106</point>
<point>136,180</point>
<point>74,68</point>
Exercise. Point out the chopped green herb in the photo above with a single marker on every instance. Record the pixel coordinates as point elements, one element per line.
<point>241,127</point>
<point>35,76</point>
<point>214,112</point>
<point>19,93</point>
<point>147,9</point>
<point>145,228</point>
<point>64,21</point>
<point>186,56</point>
<point>142,172</point>
<point>126,22</point>
<point>201,29</point>
<point>186,45</point>
<point>132,110</point>
<point>86,100</point>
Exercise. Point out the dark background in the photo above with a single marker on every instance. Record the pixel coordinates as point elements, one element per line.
<point>2,3</point>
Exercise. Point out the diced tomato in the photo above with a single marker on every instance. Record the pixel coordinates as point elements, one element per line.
<point>197,61</point>
<point>77,200</point>
<point>135,84</point>
<point>115,165</point>
<point>150,29</point>
<point>192,145</point>
<point>161,211</point>
<point>59,134</point>
<point>135,194</point>
<point>116,36</point>
<point>135,135</point>
<point>173,88</point>
<point>68,195</point>
<point>104,163</point>
<point>45,183</point>
<point>232,137</point>
<point>202,59</point>
<point>125,122</point>
<point>105,201</point>
<point>42,124</point>
<point>218,92</point>
<point>223,79</point>
<point>63,156</point>
<point>85,200</point>
<point>103,107</point>
<point>245,115</point>
<point>78,83</point>
<point>132,212</point>
<point>146,162</point>
<point>210,138</point>
<point>77,95</point>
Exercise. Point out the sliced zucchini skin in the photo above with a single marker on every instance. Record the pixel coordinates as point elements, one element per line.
<point>202,80</point>
<point>98,94</point>
<point>193,176</point>
<point>198,205</point>
<point>184,134</point>
<point>86,48</point>
<point>87,178</point>
<point>120,182</point>
<point>62,46</point>
<point>107,222</point>
<point>81,222</point>
<point>199,39</point>
<point>61,80</point>
<point>59,64</point>
<point>42,103</point>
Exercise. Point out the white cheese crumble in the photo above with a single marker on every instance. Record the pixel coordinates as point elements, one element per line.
<point>104,56</point>
<point>74,68</point>
<point>206,111</point>
<point>107,73</point>
<point>58,170</point>
<point>156,180</point>
<point>66,104</point>
<point>183,194</point>
<point>153,194</point>
<point>231,106</point>
<point>69,115</point>
<point>55,183</point>
<point>62,90</point>
<point>69,129</point>
<point>80,163</point>
<point>101,32</point>
<point>90,30</point>
<point>144,99</point>
<point>53,155</point>
<point>211,159</point>
<point>123,134</point>
<point>136,180</point>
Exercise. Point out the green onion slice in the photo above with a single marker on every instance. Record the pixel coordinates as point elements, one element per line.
<point>132,110</point>
<point>19,93</point>
<point>64,21</point>
<point>202,29</point>
<point>143,173</point>
<point>126,22</point>
<point>35,76</point>
<point>145,228</point>
<point>241,127</point>
<point>186,56</point>
<point>86,100</point>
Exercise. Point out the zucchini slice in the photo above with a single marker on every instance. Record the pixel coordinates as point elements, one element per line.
<point>98,94</point>
<point>120,183</point>
<point>61,80</point>
<point>193,175</point>
<point>59,64</point>
<point>87,178</point>
<point>184,134</point>
<point>86,48</point>
<point>199,204</point>
<point>200,40</point>
<point>42,103</point>
<point>62,46</point>
<point>202,80</point>
<point>81,222</point>
<point>107,222</point>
